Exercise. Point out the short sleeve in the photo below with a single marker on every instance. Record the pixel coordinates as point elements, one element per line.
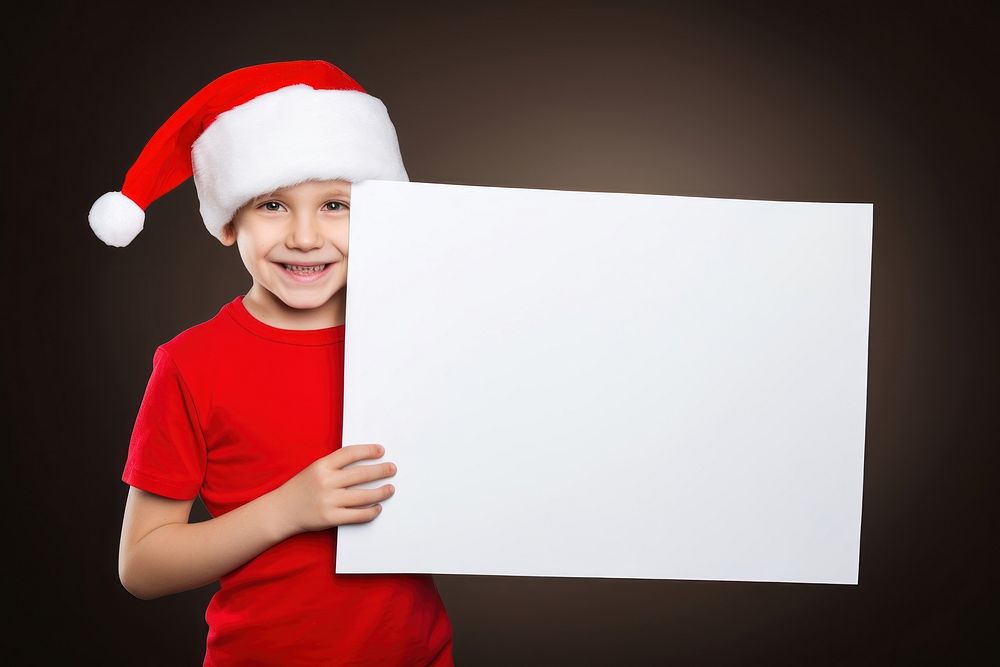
<point>167,452</point>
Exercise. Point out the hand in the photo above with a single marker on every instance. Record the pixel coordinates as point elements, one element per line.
<point>319,496</point>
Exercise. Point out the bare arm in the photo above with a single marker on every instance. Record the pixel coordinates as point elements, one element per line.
<point>161,553</point>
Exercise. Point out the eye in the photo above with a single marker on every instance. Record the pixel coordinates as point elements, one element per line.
<point>274,206</point>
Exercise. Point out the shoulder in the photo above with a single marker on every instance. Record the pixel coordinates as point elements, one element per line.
<point>200,345</point>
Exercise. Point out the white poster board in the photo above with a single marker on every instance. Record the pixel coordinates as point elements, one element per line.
<point>591,384</point>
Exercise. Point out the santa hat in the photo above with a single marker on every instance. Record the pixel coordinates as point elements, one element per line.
<point>250,132</point>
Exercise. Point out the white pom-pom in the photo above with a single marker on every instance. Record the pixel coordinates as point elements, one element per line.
<point>116,219</point>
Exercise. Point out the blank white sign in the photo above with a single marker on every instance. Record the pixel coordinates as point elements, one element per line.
<point>590,384</point>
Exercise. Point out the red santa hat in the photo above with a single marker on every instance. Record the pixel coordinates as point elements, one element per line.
<point>250,132</point>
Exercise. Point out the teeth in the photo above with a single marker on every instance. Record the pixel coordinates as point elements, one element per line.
<point>304,269</point>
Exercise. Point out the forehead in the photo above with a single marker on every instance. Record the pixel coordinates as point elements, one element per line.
<point>318,188</point>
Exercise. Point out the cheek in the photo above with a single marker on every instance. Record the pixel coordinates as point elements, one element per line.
<point>252,251</point>
<point>260,246</point>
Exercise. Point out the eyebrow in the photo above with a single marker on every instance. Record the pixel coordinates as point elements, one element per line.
<point>280,193</point>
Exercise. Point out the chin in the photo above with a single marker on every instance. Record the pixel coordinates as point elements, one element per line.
<point>305,301</point>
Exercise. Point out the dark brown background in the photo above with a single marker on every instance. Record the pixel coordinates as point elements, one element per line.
<point>837,102</point>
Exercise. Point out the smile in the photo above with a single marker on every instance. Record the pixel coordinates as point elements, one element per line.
<point>305,273</point>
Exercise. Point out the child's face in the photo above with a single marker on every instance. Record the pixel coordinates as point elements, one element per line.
<point>301,224</point>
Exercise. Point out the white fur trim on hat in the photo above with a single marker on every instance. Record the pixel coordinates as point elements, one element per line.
<point>116,219</point>
<point>288,136</point>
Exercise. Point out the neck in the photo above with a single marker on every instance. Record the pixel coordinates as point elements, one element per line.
<point>269,309</point>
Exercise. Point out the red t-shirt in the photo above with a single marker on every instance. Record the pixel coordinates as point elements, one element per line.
<point>233,409</point>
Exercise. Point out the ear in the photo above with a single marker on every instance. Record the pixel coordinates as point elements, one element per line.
<point>228,234</point>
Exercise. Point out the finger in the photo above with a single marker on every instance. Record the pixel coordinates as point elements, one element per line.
<point>366,473</point>
<point>362,515</point>
<point>351,453</point>
<point>365,497</point>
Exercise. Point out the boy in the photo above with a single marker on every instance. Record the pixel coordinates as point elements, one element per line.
<point>246,408</point>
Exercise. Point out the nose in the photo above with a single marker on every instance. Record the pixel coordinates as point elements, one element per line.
<point>304,232</point>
